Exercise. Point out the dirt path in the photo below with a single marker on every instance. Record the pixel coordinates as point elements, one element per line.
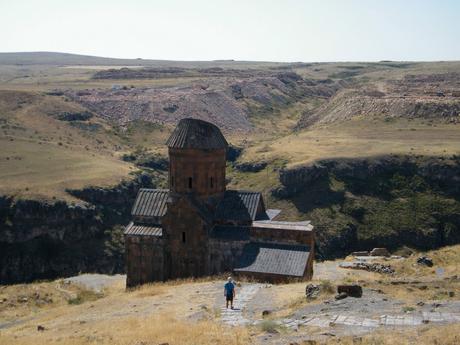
<point>235,317</point>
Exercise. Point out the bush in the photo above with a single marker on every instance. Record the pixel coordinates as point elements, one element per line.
<point>327,287</point>
<point>268,326</point>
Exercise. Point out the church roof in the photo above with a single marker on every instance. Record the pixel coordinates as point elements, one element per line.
<point>196,134</point>
<point>143,230</point>
<point>150,203</point>
<point>272,258</point>
<point>239,206</point>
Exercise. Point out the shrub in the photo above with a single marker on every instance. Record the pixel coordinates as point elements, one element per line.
<point>268,326</point>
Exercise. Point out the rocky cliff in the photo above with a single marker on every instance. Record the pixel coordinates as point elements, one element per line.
<point>44,240</point>
<point>387,201</point>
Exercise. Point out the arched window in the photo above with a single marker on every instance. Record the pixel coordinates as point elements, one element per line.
<point>190,183</point>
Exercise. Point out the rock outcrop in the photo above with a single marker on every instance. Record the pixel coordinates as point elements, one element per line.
<point>45,240</point>
<point>388,201</point>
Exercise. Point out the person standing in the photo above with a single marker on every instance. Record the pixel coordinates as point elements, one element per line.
<point>229,292</point>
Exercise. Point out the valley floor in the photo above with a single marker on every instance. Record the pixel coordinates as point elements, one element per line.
<point>416,304</point>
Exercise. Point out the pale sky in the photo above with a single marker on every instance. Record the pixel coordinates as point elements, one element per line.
<point>283,30</point>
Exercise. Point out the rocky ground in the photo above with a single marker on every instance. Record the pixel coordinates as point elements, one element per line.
<point>228,101</point>
<point>78,307</point>
<point>427,96</point>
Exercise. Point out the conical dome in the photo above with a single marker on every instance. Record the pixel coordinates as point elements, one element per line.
<point>196,134</point>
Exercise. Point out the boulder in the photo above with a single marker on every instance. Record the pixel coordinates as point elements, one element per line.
<point>350,290</point>
<point>379,252</point>
<point>312,291</point>
<point>362,253</point>
<point>425,260</point>
<point>250,167</point>
<point>341,295</point>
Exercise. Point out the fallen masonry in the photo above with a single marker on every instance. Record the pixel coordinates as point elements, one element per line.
<point>312,291</point>
<point>371,267</point>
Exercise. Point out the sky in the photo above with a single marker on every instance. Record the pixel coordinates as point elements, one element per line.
<point>269,30</point>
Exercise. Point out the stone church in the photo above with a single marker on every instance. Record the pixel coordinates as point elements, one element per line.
<point>198,228</point>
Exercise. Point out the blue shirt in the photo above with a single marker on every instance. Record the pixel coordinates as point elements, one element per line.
<point>229,287</point>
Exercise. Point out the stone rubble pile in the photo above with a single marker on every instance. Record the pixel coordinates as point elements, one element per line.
<point>371,267</point>
<point>312,291</point>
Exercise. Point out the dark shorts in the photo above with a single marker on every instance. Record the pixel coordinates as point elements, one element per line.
<point>229,298</point>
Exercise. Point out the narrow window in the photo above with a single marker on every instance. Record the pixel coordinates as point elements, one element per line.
<point>172,181</point>
<point>190,182</point>
<point>212,183</point>
<point>183,237</point>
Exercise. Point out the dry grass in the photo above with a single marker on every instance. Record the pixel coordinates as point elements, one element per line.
<point>28,169</point>
<point>42,156</point>
<point>287,298</point>
<point>447,258</point>
<point>152,314</point>
<point>360,138</point>
<point>157,329</point>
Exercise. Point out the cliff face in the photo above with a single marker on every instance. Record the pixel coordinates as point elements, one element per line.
<point>390,201</point>
<point>355,204</point>
<point>43,240</point>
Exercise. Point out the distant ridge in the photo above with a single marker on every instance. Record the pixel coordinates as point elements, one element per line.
<point>67,59</point>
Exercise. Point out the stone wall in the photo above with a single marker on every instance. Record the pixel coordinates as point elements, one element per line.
<point>261,234</point>
<point>223,255</point>
<point>185,233</point>
<point>144,259</point>
<point>201,172</point>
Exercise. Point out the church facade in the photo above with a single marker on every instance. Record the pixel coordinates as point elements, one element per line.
<point>198,228</point>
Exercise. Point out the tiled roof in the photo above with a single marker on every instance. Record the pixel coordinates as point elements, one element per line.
<point>150,203</point>
<point>282,259</point>
<point>196,134</point>
<point>271,224</point>
<point>230,233</point>
<point>143,230</point>
<point>239,206</point>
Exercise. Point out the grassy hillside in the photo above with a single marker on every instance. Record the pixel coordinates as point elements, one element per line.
<point>285,115</point>
<point>43,154</point>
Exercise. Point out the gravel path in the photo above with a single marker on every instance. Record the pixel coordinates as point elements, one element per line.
<point>235,317</point>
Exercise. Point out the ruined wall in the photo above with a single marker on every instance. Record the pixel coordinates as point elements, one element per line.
<point>144,259</point>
